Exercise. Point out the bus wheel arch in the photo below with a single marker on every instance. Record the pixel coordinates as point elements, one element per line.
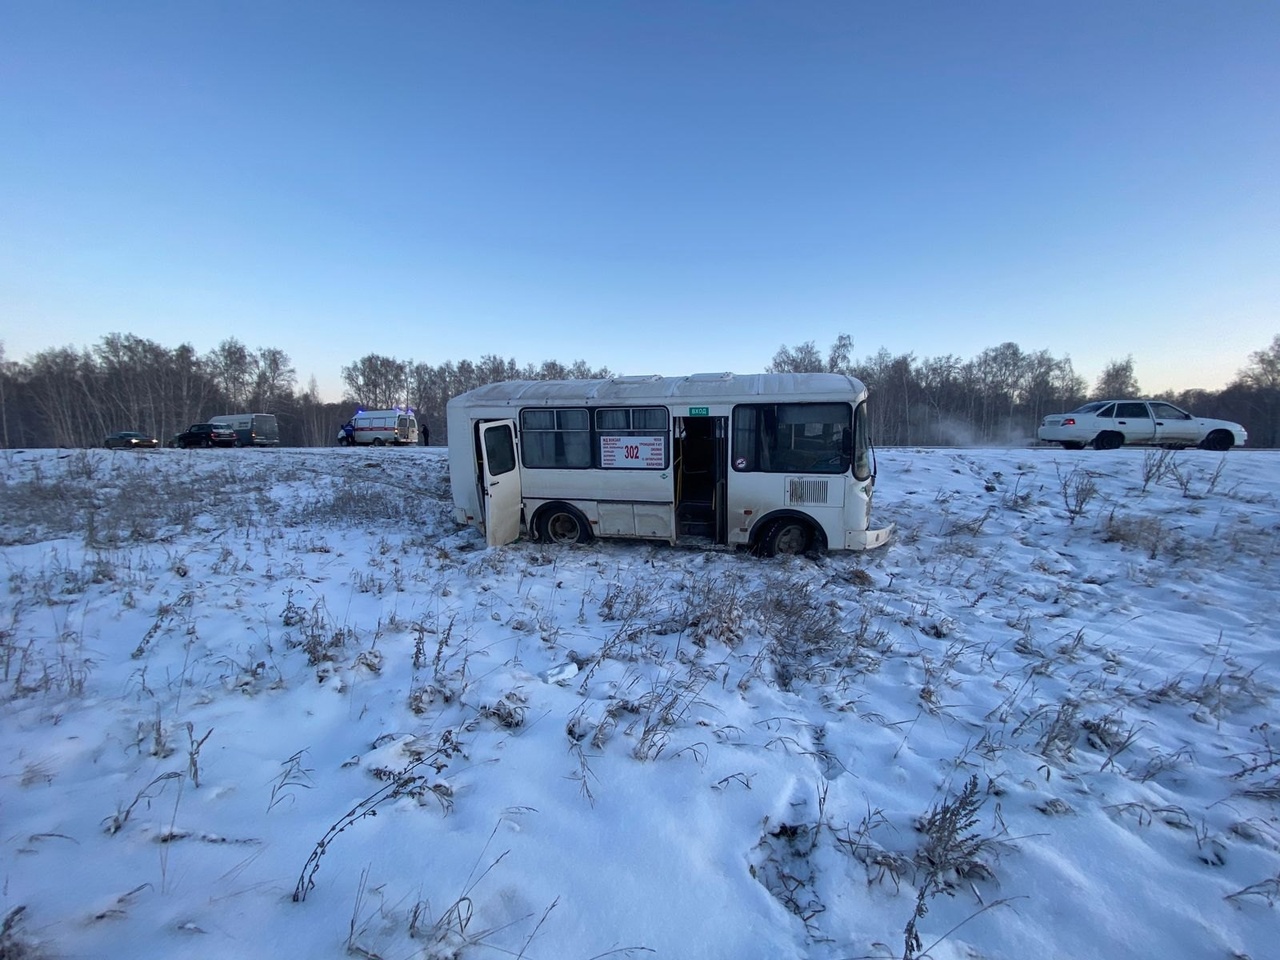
<point>787,533</point>
<point>561,523</point>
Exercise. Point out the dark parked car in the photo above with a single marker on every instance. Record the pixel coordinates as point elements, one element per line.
<point>129,440</point>
<point>205,435</point>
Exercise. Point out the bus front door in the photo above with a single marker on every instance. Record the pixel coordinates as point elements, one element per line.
<point>702,453</point>
<point>501,482</point>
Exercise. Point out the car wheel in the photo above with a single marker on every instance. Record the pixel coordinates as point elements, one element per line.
<point>1108,440</point>
<point>788,538</point>
<point>379,442</point>
<point>563,525</point>
<point>1219,440</point>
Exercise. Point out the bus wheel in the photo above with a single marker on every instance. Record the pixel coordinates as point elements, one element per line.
<point>563,525</point>
<point>788,538</point>
<point>378,441</point>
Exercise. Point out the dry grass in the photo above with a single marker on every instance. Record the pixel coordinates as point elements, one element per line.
<point>658,638</point>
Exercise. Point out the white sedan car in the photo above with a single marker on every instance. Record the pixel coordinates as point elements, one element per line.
<point>1107,424</point>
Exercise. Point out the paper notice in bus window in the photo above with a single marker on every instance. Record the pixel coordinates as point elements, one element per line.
<point>634,453</point>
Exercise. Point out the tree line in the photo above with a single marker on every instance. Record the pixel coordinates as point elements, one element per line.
<point>64,397</point>
<point>1000,396</point>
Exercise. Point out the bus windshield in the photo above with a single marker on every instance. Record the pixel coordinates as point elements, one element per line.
<point>864,464</point>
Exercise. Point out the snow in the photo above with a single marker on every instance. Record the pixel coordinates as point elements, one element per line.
<point>214,662</point>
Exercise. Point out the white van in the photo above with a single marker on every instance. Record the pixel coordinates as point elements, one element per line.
<point>377,428</point>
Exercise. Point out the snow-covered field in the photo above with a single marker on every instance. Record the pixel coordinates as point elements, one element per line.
<point>276,704</point>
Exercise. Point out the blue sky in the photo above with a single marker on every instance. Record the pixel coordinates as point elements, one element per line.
<point>654,187</point>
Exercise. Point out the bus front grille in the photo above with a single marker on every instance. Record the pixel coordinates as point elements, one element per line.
<point>807,492</point>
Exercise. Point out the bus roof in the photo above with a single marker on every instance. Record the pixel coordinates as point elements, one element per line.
<point>655,389</point>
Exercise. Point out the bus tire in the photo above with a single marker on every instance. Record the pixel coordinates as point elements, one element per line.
<point>562,524</point>
<point>788,537</point>
<point>378,442</point>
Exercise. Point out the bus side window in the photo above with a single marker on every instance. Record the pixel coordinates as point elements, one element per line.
<point>792,437</point>
<point>555,437</point>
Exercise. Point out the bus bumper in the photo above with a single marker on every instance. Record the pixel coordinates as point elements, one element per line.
<point>868,539</point>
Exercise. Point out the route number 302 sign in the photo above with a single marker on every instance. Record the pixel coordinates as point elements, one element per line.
<point>635,453</point>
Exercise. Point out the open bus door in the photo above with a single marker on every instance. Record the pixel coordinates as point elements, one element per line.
<point>501,496</point>
<point>701,474</point>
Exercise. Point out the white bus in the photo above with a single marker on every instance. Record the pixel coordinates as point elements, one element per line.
<point>781,462</point>
<point>252,429</point>
<point>380,427</point>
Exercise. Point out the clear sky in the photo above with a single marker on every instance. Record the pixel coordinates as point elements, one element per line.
<point>654,187</point>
